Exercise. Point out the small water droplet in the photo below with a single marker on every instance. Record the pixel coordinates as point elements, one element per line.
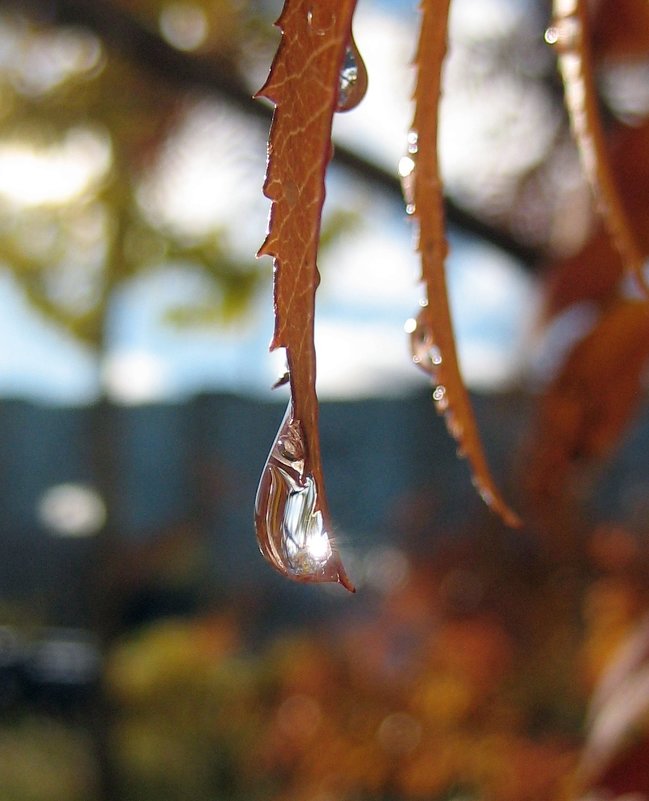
<point>551,35</point>
<point>406,166</point>
<point>406,169</point>
<point>425,353</point>
<point>439,396</point>
<point>410,326</point>
<point>435,355</point>
<point>319,20</point>
<point>291,529</point>
<point>565,33</point>
<point>413,142</point>
<point>352,80</point>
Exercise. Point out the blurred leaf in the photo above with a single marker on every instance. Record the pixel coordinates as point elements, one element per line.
<point>595,271</point>
<point>587,407</point>
<point>434,344</point>
<point>570,32</point>
<point>614,757</point>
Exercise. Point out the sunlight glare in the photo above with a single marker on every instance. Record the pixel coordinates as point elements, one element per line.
<point>133,377</point>
<point>55,175</point>
<point>183,25</point>
<point>72,510</point>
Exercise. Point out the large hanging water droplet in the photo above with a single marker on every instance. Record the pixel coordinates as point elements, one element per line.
<point>291,528</point>
<point>352,83</point>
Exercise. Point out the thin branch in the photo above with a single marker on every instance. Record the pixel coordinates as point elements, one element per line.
<point>220,77</point>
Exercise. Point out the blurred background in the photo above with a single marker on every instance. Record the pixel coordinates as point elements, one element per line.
<point>146,650</point>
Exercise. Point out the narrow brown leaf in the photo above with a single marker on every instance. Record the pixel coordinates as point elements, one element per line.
<point>570,33</point>
<point>304,85</point>
<point>433,340</point>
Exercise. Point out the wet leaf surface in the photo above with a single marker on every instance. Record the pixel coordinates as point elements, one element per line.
<point>304,85</point>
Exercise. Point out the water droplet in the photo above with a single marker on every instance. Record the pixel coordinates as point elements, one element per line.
<point>425,353</point>
<point>406,169</point>
<point>551,35</point>
<point>291,529</point>
<point>352,80</point>
<point>565,33</point>
<point>435,355</point>
<point>410,326</point>
<point>406,166</point>
<point>319,20</point>
<point>413,142</point>
<point>439,396</point>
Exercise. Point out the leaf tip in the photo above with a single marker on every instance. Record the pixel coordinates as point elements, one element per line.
<point>344,580</point>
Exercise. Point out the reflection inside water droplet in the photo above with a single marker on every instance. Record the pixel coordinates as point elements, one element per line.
<point>352,80</point>
<point>305,542</point>
<point>291,529</point>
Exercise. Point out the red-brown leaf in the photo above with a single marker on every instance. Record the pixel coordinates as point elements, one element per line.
<point>303,84</point>
<point>590,402</point>
<point>434,332</point>
<point>570,32</point>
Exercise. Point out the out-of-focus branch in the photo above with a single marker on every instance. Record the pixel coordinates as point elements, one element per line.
<point>220,77</point>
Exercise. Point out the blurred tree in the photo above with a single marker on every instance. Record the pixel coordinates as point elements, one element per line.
<point>82,128</point>
<point>92,94</point>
